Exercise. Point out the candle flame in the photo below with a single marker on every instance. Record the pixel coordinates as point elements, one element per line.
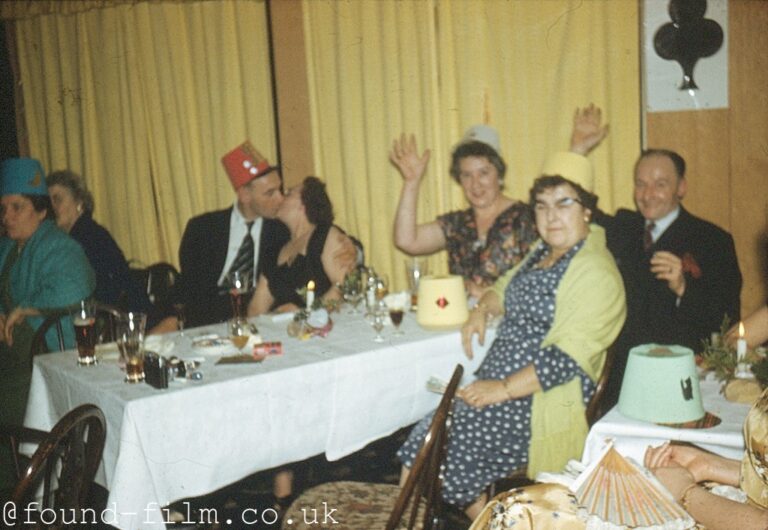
<point>310,285</point>
<point>741,330</point>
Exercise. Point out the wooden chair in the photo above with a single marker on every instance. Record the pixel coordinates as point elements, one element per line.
<point>595,406</point>
<point>158,281</point>
<point>64,464</point>
<point>106,315</point>
<point>366,505</point>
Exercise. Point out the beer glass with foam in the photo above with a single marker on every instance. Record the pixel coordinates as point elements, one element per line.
<point>130,341</point>
<point>84,320</point>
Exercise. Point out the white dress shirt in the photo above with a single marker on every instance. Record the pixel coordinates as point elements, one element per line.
<point>237,230</point>
<point>662,224</point>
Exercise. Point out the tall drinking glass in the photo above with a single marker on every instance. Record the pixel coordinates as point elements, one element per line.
<point>84,320</point>
<point>415,268</point>
<point>239,287</point>
<point>130,341</point>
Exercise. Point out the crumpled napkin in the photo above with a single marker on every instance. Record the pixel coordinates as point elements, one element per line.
<point>160,344</point>
<point>397,300</point>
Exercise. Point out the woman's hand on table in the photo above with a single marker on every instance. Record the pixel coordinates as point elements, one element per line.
<point>676,479</point>
<point>701,464</point>
<point>483,393</point>
<point>693,459</point>
<point>406,159</point>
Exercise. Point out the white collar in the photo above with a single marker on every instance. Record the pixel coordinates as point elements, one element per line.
<point>660,225</point>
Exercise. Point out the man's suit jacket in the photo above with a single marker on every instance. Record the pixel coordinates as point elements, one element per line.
<point>712,277</point>
<point>202,255</point>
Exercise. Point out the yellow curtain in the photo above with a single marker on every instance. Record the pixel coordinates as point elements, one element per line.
<point>143,100</point>
<point>434,68</point>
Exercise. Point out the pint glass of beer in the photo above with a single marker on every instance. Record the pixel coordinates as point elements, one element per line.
<point>415,268</point>
<point>130,341</point>
<point>84,320</point>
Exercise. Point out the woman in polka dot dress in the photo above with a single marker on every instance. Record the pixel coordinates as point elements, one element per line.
<point>563,306</point>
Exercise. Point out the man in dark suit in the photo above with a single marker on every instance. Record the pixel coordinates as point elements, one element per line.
<point>212,241</point>
<point>680,272</point>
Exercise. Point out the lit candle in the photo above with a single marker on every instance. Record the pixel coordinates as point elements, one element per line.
<point>741,344</point>
<point>310,294</point>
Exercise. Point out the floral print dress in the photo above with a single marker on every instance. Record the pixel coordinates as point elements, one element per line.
<point>506,243</point>
<point>487,444</point>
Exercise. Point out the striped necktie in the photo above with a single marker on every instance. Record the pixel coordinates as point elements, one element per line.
<point>648,236</point>
<point>244,259</point>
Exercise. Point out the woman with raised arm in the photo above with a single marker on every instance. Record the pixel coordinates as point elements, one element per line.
<point>496,231</point>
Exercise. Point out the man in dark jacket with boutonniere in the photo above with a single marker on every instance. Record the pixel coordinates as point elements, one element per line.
<point>680,272</point>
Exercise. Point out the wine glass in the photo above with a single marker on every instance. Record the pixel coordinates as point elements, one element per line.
<point>396,313</point>
<point>352,289</point>
<point>377,323</point>
<point>382,287</point>
<point>239,332</point>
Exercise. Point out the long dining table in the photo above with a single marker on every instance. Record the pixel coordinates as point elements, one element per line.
<point>331,395</point>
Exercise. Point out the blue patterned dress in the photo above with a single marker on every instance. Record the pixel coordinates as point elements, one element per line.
<point>487,444</point>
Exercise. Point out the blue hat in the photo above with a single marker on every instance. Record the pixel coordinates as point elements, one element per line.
<point>22,176</point>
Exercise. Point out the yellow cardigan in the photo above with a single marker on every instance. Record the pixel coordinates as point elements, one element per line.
<point>590,309</point>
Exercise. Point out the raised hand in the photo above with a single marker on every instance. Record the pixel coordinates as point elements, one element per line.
<point>588,130</point>
<point>404,155</point>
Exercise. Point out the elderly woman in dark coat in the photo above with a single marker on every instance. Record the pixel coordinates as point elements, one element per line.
<point>73,206</point>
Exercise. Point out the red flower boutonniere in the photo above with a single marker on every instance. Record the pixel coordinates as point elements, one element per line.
<point>690,266</point>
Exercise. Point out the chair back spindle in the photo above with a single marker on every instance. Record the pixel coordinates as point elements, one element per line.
<point>424,480</point>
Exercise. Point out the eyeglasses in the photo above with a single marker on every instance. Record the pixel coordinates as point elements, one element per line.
<point>560,206</point>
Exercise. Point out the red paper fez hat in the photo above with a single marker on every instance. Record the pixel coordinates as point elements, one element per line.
<point>244,163</point>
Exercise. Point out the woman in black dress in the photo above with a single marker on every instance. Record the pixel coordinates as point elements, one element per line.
<point>308,255</point>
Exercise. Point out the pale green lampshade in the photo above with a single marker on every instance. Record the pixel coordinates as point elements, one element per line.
<point>661,385</point>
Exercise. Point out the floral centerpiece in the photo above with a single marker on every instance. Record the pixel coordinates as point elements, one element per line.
<point>314,319</point>
<point>723,359</point>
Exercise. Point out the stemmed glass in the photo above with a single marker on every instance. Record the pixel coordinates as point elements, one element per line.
<point>382,287</point>
<point>239,332</point>
<point>377,323</point>
<point>396,313</point>
<point>352,289</point>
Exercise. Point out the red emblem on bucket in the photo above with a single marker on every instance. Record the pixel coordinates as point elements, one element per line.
<point>442,302</point>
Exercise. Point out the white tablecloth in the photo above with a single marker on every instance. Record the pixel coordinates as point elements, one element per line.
<point>332,395</point>
<point>631,437</point>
